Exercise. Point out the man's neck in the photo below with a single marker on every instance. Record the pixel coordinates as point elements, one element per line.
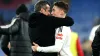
<point>62,16</point>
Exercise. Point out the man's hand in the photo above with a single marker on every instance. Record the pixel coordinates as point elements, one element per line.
<point>34,48</point>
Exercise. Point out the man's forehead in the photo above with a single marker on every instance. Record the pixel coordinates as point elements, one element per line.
<point>54,7</point>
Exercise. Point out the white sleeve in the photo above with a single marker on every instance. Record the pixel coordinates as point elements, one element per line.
<point>92,33</point>
<point>9,25</point>
<point>55,48</point>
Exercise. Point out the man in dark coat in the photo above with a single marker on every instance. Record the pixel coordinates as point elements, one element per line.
<point>42,26</point>
<point>18,29</point>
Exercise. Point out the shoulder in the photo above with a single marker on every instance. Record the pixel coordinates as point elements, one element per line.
<point>36,16</point>
<point>66,28</point>
<point>95,28</point>
<point>39,15</point>
<point>98,30</point>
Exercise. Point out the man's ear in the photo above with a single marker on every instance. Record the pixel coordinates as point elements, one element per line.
<point>62,12</point>
<point>42,10</point>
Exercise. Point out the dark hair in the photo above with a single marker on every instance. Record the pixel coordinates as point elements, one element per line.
<point>40,4</point>
<point>22,8</point>
<point>62,5</point>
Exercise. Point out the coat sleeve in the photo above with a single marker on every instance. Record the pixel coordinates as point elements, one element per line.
<point>11,28</point>
<point>4,44</point>
<point>57,22</point>
<point>54,21</point>
<point>92,33</point>
<point>96,43</point>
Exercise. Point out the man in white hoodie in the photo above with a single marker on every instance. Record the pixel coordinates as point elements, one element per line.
<point>62,35</point>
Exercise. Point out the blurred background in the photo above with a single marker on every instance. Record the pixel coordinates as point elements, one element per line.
<point>85,13</point>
